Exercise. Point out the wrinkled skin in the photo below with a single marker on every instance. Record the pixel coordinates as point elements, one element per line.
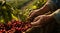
<point>38,19</point>
<point>42,20</point>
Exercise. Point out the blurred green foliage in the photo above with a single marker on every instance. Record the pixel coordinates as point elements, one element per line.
<point>19,9</point>
<point>5,12</point>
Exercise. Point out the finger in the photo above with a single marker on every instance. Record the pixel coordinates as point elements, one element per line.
<point>32,15</point>
<point>32,12</point>
<point>37,18</point>
<point>34,23</point>
<point>37,23</point>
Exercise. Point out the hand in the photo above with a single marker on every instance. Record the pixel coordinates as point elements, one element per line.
<point>42,20</point>
<point>33,14</point>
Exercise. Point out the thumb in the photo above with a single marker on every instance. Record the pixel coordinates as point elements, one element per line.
<point>35,24</point>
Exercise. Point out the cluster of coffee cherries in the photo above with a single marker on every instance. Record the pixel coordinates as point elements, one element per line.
<point>14,26</point>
